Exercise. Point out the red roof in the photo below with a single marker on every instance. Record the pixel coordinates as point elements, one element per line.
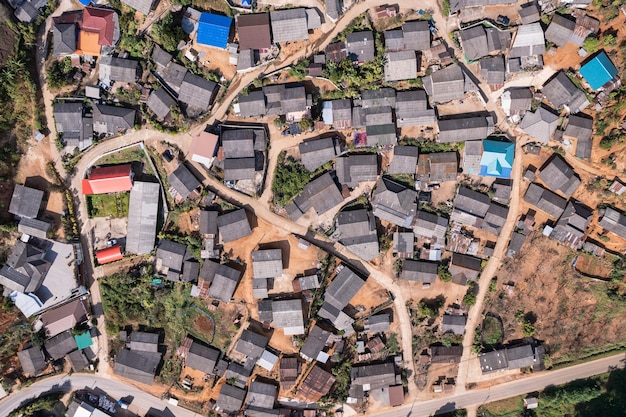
<point>99,21</point>
<point>114,253</point>
<point>112,179</point>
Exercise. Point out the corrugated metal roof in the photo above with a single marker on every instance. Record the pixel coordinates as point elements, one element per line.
<point>214,30</point>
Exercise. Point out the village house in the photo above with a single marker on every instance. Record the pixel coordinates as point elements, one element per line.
<point>233,225</point>
<point>394,203</point>
<point>112,120</point>
<point>445,85</point>
<point>337,113</point>
<point>253,31</point>
<point>75,127</point>
<point>356,229</point>
<point>461,127</point>
<point>559,176</point>
<point>430,226</point>
<point>404,160</point>
<point>314,345</point>
<point>613,221</point>
<point>251,344</point>
<point>401,65</point>
<point>25,269</point>
<point>201,357</point>
<point>311,197</point>
<point>419,271</point>
<point>493,70</point>
<point>562,92</point>
<point>540,124</point>
<point>161,103</point>
<point>317,152</point>
<point>412,109</point>
<point>288,316</point>
<point>230,399</point>
<point>355,168</point>
<point>143,6</point>
<point>316,384</point>
<point>289,372</point>
<point>261,396</point>
<point>143,211</point>
<point>464,268</point>
<point>64,317</point>
<point>183,184</point>
<point>516,102</point>
<point>32,360</point>
<point>266,265</point>
<point>437,167</point>
<point>289,25</point>
<point>360,46</point>
<point>545,200</point>
<point>118,69</point>
<point>572,225</point>
<point>454,324</point>
<point>560,30</point>
<point>141,361</point>
<point>580,127</point>
<point>217,281</point>
<point>213,30</point>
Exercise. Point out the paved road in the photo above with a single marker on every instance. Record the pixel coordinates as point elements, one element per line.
<point>142,402</point>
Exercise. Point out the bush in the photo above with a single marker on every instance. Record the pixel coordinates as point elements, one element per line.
<point>444,273</point>
<point>470,297</point>
<point>591,44</point>
<point>290,177</point>
<point>167,33</point>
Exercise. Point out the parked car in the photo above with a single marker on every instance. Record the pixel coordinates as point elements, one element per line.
<point>503,20</point>
<point>167,155</point>
<point>111,242</point>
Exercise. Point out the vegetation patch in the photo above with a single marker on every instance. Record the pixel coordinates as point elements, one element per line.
<point>103,205</point>
<point>290,177</point>
<point>40,407</point>
<point>492,332</point>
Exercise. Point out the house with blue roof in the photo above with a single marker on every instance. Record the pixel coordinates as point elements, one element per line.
<point>214,30</point>
<point>599,70</point>
<point>497,159</point>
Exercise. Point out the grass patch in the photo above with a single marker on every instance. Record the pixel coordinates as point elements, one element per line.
<point>407,180</point>
<point>103,205</point>
<point>128,155</point>
<point>509,407</point>
<point>492,331</point>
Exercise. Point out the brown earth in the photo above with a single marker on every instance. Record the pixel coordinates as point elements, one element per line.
<point>370,296</point>
<point>564,58</point>
<point>549,291</point>
<point>594,266</point>
<point>7,36</point>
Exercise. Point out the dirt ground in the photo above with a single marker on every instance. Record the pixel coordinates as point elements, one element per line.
<point>492,12</point>
<point>594,266</point>
<point>371,295</point>
<point>469,104</point>
<point>216,60</point>
<point>564,58</point>
<point>559,301</point>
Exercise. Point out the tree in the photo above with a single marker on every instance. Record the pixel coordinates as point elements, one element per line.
<point>528,330</point>
<point>305,124</point>
<point>444,273</point>
<point>591,44</point>
<point>609,40</point>
<point>168,34</point>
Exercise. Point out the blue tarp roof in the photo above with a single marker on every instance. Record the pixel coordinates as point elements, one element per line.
<point>497,159</point>
<point>599,71</point>
<point>213,30</point>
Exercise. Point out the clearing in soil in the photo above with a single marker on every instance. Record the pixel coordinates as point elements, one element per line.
<point>558,300</point>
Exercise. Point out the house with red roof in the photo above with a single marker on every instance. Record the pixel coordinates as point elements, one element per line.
<point>110,179</point>
<point>99,27</point>
<point>104,256</point>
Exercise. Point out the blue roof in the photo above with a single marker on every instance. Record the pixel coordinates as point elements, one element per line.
<point>213,30</point>
<point>83,340</point>
<point>599,71</point>
<point>497,159</point>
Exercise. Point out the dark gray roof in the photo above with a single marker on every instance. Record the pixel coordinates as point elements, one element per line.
<point>515,245</point>
<point>77,360</point>
<point>343,288</point>
<point>381,135</point>
<point>234,225</point>
<point>68,117</point>
<point>288,315</point>
<point>202,357</point>
<point>64,35</point>
<point>540,124</point>
<point>573,224</point>
<point>334,8</point>
<point>377,323</point>
<point>376,376</point>
<point>472,202</point>
<point>403,242</point>
<point>356,168</point>
<point>394,202</point>
<point>32,360</point>
<point>144,341</point>
<point>394,40</point>
<point>144,6</point>
<point>60,345</point>
<point>614,221</point>
<point>261,395</point>
<point>560,30</point>
<point>360,46</point>
<point>464,127</point>
<point>118,69</point>
<point>191,270</point>
<point>239,169</point>
<point>160,103</point>
<point>446,84</point>
<point>430,226</point>
<point>208,222</point>
<point>251,344</point>
<point>493,361</point>
<point>289,25</point>
<point>492,69</point>
<point>416,35</point>
<point>404,160</point>
<point>580,126</point>
<point>400,65</point>
<point>311,195</point>
<point>171,254</point>
<point>252,104</point>
<point>495,218</point>
<point>160,56</point>
<point>112,119</point>
<point>196,91</point>
<point>143,210</point>
<point>240,143</point>
<point>545,200</point>
<point>34,227</point>
<point>529,13</point>
<point>183,181</point>
<point>412,109</point>
<point>230,399</point>
<point>224,281</point>
<point>529,40</point>
<point>520,356</point>
<point>561,91</point>
<point>559,176</point>
<point>445,354</point>
<point>26,12</point>
<point>315,153</point>
<point>419,271</point>
<point>238,374</point>
<point>25,201</point>
<point>453,324</point>
<point>25,268</point>
<point>315,343</point>
<point>173,74</point>
<point>474,41</point>
<point>337,317</point>
<point>267,263</point>
<point>293,99</point>
<point>382,97</point>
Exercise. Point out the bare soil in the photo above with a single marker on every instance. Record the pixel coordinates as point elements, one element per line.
<point>216,60</point>
<point>564,58</point>
<point>594,266</point>
<point>560,301</point>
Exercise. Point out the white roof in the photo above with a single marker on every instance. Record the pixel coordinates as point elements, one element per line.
<point>267,360</point>
<point>84,410</point>
<point>28,304</point>
<point>529,35</point>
